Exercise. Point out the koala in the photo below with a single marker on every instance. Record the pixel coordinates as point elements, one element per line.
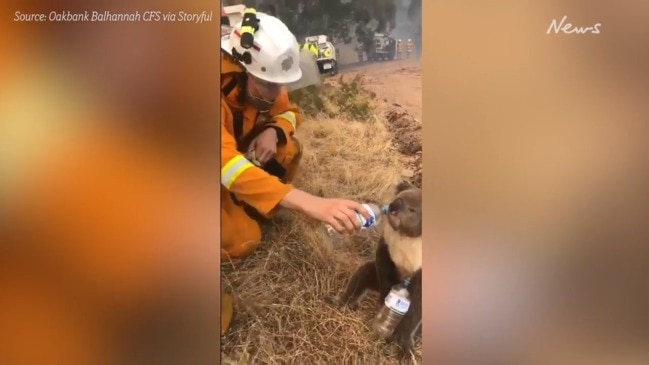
<point>398,256</point>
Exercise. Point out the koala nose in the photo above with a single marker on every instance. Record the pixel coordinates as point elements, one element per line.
<point>395,206</point>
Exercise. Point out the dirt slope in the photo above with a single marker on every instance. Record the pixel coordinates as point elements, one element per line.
<point>398,87</point>
<point>394,81</point>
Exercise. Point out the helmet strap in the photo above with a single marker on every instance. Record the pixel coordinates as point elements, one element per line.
<point>243,86</point>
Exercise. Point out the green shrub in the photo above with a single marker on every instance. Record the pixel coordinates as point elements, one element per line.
<point>336,98</point>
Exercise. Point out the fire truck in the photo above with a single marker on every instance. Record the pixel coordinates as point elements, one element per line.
<point>326,58</point>
<point>385,47</point>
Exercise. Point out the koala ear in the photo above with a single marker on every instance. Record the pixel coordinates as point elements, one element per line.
<point>403,186</point>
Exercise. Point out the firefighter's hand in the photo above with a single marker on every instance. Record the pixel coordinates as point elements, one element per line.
<point>340,214</point>
<point>265,145</point>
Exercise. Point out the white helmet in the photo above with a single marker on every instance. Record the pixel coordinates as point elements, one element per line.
<point>275,54</point>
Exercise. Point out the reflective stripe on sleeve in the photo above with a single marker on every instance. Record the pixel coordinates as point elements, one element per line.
<point>290,116</point>
<point>233,169</point>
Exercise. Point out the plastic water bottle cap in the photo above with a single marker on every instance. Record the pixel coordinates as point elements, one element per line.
<point>385,209</point>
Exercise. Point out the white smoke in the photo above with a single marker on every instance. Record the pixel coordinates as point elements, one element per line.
<point>404,28</point>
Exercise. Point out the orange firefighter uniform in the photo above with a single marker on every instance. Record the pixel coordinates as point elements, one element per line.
<point>409,47</point>
<point>243,184</point>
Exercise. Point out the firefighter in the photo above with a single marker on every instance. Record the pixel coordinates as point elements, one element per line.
<point>259,152</point>
<point>399,49</point>
<point>409,48</point>
<point>359,51</point>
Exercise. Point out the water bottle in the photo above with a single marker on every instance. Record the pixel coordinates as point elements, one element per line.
<point>375,214</point>
<point>397,303</point>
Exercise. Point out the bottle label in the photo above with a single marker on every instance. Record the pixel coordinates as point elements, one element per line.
<point>397,303</point>
<point>369,222</point>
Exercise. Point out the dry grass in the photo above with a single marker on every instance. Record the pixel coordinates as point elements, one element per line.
<point>281,317</point>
